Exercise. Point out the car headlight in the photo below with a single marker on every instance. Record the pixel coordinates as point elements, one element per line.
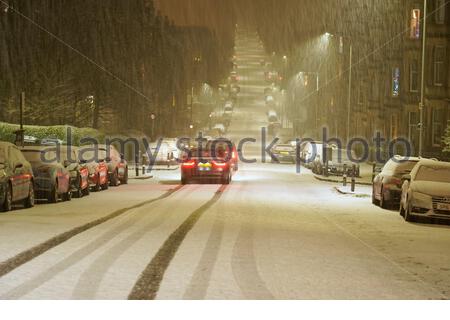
<point>421,200</point>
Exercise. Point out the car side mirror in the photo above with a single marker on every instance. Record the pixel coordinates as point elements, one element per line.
<point>406,177</point>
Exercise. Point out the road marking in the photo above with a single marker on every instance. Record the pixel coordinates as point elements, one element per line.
<point>147,286</point>
<point>26,256</point>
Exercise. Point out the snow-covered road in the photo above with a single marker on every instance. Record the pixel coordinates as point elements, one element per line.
<point>271,234</point>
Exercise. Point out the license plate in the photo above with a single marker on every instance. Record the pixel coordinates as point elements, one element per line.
<point>204,167</point>
<point>443,206</point>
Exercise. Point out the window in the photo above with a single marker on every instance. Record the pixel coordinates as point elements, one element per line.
<point>414,76</point>
<point>439,71</point>
<point>440,11</point>
<point>437,127</point>
<point>396,82</point>
<point>415,24</point>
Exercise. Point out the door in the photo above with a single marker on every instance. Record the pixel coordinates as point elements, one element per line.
<point>20,177</point>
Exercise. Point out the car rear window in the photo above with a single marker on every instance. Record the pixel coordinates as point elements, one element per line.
<point>435,174</point>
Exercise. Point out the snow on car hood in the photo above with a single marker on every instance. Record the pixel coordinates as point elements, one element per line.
<point>440,189</point>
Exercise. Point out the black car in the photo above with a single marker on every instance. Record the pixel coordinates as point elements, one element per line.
<point>16,178</point>
<point>52,180</point>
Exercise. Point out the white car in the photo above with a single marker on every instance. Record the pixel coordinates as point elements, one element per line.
<point>426,191</point>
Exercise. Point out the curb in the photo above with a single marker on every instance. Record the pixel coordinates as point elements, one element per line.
<point>142,178</point>
<point>350,193</point>
<point>340,181</point>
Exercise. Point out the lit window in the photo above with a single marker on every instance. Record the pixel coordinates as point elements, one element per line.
<point>396,82</point>
<point>414,76</point>
<point>438,127</point>
<point>440,11</point>
<point>439,71</point>
<point>415,24</point>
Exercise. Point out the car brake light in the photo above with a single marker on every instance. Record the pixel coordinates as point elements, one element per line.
<point>219,164</point>
<point>190,164</point>
<point>233,155</point>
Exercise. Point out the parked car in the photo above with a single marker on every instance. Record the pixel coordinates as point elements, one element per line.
<point>284,153</point>
<point>387,185</point>
<point>79,173</point>
<point>334,162</point>
<point>426,191</point>
<point>309,151</point>
<point>161,153</point>
<point>97,167</point>
<point>51,178</point>
<point>117,165</point>
<point>16,178</point>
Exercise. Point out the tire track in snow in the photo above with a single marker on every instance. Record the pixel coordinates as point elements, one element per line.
<point>147,286</point>
<point>90,280</point>
<point>26,256</point>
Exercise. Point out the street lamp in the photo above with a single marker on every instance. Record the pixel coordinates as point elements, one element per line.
<point>422,89</point>
<point>349,101</point>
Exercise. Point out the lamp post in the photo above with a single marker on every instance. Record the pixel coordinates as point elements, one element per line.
<point>422,89</point>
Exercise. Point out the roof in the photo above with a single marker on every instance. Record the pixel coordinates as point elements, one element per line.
<point>5,144</point>
<point>434,164</point>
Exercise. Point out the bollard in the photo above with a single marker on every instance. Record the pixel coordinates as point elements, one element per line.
<point>143,169</point>
<point>353,178</point>
<point>136,164</point>
<point>344,176</point>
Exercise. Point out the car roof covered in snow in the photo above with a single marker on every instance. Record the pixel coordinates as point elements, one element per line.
<point>4,144</point>
<point>434,164</point>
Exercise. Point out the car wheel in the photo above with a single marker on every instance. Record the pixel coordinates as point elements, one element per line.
<point>98,187</point>
<point>86,191</point>
<point>124,180</point>
<point>7,205</point>
<point>115,179</point>
<point>374,199</point>
<point>383,203</point>
<point>29,201</point>
<point>67,196</point>
<point>53,195</point>
<point>227,179</point>
<point>402,210</point>
<point>105,186</point>
<point>408,216</point>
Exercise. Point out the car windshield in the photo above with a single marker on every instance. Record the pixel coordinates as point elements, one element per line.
<point>40,156</point>
<point>434,174</point>
<point>405,166</point>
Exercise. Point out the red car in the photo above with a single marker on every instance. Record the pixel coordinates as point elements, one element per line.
<point>98,169</point>
<point>79,173</point>
<point>114,161</point>
<point>209,164</point>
